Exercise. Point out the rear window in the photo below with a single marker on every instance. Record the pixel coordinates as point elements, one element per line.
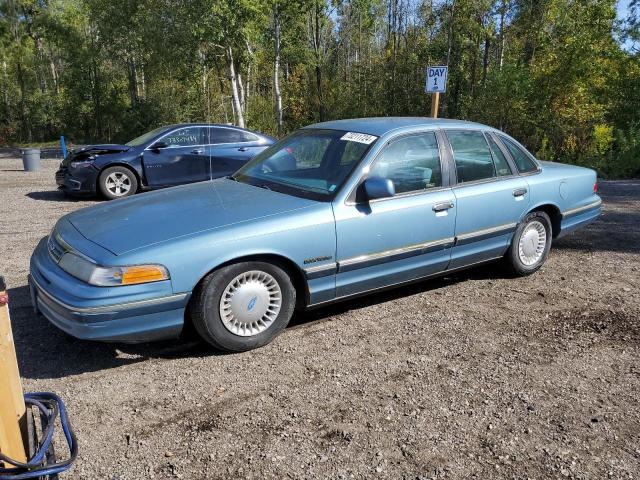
<point>523,161</point>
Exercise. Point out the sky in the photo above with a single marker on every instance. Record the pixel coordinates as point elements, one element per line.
<point>623,8</point>
<point>623,12</point>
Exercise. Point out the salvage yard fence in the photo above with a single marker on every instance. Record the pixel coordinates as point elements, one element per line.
<point>54,153</point>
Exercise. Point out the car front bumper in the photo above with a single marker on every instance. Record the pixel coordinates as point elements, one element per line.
<point>79,181</point>
<point>92,313</point>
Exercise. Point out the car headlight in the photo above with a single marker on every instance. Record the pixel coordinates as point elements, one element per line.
<point>81,163</point>
<point>100,276</point>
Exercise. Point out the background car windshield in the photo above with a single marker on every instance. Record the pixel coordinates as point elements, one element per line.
<point>145,137</point>
<point>310,162</point>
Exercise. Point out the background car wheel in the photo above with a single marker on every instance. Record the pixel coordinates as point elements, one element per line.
<point>243,306</point>
<point>530,244</point>
<point>117,182</point>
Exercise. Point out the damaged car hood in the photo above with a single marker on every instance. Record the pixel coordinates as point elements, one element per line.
<point>94,150</point>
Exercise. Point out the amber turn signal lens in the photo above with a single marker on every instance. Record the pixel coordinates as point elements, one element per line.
<point>143,274</point>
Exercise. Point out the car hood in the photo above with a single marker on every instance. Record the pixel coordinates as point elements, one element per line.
<point>106,147</point>
<point>121,226</point>
<point>90,151</point>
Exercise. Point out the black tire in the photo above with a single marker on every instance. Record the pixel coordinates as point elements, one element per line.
<point>127,176</point>
<point>205,307</point>
<point>513,261</point>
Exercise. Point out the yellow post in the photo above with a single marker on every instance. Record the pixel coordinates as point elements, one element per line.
<point>435,102</point>
<point>12,408</point>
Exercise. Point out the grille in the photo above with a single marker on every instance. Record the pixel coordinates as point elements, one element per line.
<point>60,174</point>
<point>56,250</point>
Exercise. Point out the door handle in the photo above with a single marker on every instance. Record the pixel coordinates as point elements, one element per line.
<point>197,151</point>
<point>441,207</point>
<point>518,192</point>
<point>243,149</point>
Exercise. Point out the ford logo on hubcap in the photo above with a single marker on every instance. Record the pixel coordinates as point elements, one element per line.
<point>252,303</point>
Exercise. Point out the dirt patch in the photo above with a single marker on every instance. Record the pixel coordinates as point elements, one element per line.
<point>476,375</point>
<point>615,326</point>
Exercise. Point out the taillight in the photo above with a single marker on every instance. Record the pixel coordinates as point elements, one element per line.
<point>595,187</point>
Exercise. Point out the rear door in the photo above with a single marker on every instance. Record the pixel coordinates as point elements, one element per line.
<point>183,160</point>
<point>490,196</point>
<point>229,148</point>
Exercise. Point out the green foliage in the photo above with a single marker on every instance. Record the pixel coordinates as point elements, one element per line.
<point>550,72</point>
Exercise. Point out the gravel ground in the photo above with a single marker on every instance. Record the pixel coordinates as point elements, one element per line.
<point>471,376</point>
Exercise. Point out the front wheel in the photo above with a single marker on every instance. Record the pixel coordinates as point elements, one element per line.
<point>530,244</point>
<point>117,182</point>
<point>243,306</point>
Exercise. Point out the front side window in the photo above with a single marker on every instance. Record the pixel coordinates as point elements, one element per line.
<point>522,160</point>
<point>145,137</point>
<point>412,163</point>
<point>311,163</point>
<point>185,137</point>
<point>472,155</point>
<point>230,135</point>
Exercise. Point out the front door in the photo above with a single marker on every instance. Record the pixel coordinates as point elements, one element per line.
<point>183,159</point>
<point>490,196</point>
<point>404,237</point>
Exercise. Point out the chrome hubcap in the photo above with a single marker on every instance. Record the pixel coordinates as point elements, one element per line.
<point>250,303</point>
<point>532,243</point>
<point>118,184</point>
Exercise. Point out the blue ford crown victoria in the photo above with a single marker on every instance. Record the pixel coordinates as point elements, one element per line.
<point>334,210</point>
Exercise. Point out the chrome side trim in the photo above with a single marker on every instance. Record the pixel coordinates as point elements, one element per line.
<point>116,307</point>
<point>379,257</point>
<point>321,270</point>
<point>486,232</point>
<point>368,260</point>
<point>573,211</point>
<point>405,282</point>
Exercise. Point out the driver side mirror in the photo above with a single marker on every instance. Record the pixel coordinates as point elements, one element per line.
<point>378,187</point>
<point>158,145</point>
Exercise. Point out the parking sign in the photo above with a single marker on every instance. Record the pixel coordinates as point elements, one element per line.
<point>436,79</point>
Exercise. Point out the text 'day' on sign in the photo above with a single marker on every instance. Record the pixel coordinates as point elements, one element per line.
<point>436,79</point>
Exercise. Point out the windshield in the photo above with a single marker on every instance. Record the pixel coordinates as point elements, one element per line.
<point>145,137</point>
<point>309,163</point>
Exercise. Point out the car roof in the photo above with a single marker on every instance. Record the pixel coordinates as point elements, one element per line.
<point>205,124</point>
<point>381,125</point>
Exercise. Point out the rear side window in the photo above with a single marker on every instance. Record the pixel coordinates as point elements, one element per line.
<point>502,166</point>
<point>520,157</point>
<point>412,163</point>
<point>472,155</point>
<point>230,135</point>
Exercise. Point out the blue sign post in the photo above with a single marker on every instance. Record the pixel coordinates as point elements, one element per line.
<point>63,146</point>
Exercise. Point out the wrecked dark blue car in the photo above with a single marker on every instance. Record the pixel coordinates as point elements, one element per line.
<point>164,157</point>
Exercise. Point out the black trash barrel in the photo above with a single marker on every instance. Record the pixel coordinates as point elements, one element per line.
<point>31,159</point>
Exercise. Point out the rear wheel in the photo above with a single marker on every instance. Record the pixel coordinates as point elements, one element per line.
<point>530,244</point>
<point>243,306</point>
<point>117,182</point>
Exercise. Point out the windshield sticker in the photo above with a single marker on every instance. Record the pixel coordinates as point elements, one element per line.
<point>359,137</point>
